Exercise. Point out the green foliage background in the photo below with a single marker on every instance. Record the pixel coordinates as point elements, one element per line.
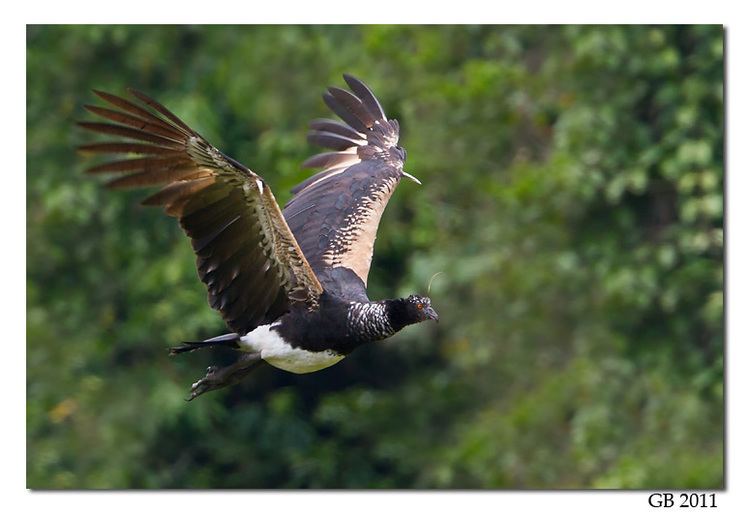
<point>572,196</point>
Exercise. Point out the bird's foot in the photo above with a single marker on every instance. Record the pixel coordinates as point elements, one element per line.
<point>205,384</point>
<point>217,378</point>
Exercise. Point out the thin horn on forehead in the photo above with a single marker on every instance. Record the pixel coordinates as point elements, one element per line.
<point>429,285</point>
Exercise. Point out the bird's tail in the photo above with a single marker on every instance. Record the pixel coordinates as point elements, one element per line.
<point>228,340</point>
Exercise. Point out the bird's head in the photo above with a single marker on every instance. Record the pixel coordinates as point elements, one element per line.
<point>420,309</point>
<point>409,310</point>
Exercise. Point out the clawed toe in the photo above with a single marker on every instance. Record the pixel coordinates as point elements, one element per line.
<point>205,384</point>
<point>217,378</point>
<point>199,388</point>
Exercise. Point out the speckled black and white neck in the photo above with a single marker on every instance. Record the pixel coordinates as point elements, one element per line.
<point>368,322</point>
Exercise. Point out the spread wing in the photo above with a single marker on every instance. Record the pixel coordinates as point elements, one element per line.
<point>335,213</point>
<point>246,254</point>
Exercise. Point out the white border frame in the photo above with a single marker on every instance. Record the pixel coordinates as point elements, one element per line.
<point>13,475</point>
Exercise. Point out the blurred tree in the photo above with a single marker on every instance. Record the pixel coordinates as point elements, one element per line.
<point>573,198</point>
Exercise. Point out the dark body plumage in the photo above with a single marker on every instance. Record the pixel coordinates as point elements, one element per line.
<point>342,326</point>
<point>290,284</point>
<point>326,328</point>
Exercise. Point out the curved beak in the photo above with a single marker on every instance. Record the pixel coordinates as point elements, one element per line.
<point>432,314</point>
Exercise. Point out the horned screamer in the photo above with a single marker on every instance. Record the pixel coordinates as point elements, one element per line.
<point>290,284</point>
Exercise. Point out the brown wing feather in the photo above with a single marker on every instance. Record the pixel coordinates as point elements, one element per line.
<point>246,254</point>
<point>336,221</point>
<point>335,214</point>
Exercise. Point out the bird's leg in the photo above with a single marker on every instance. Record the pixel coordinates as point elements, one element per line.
<point>217,378</point>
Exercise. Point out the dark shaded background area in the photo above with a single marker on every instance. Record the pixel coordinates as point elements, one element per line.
<point>572,197</point>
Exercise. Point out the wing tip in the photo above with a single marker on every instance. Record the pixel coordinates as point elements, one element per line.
<point>135,92</point>
<point>349,79</point>
<point>101,94</point>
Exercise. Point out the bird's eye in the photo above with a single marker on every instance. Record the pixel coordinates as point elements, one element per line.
<point>420,306</point>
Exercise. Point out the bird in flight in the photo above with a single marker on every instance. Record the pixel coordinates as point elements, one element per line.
<point>290,284</point>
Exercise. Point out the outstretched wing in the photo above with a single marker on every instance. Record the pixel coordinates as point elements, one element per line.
<point>335,213</point>
<point>246,254</point>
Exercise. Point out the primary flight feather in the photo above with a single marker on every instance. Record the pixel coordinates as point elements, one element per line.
<point>291,283</point>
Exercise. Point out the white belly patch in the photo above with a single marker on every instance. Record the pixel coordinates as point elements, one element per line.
<point>279,353</point>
